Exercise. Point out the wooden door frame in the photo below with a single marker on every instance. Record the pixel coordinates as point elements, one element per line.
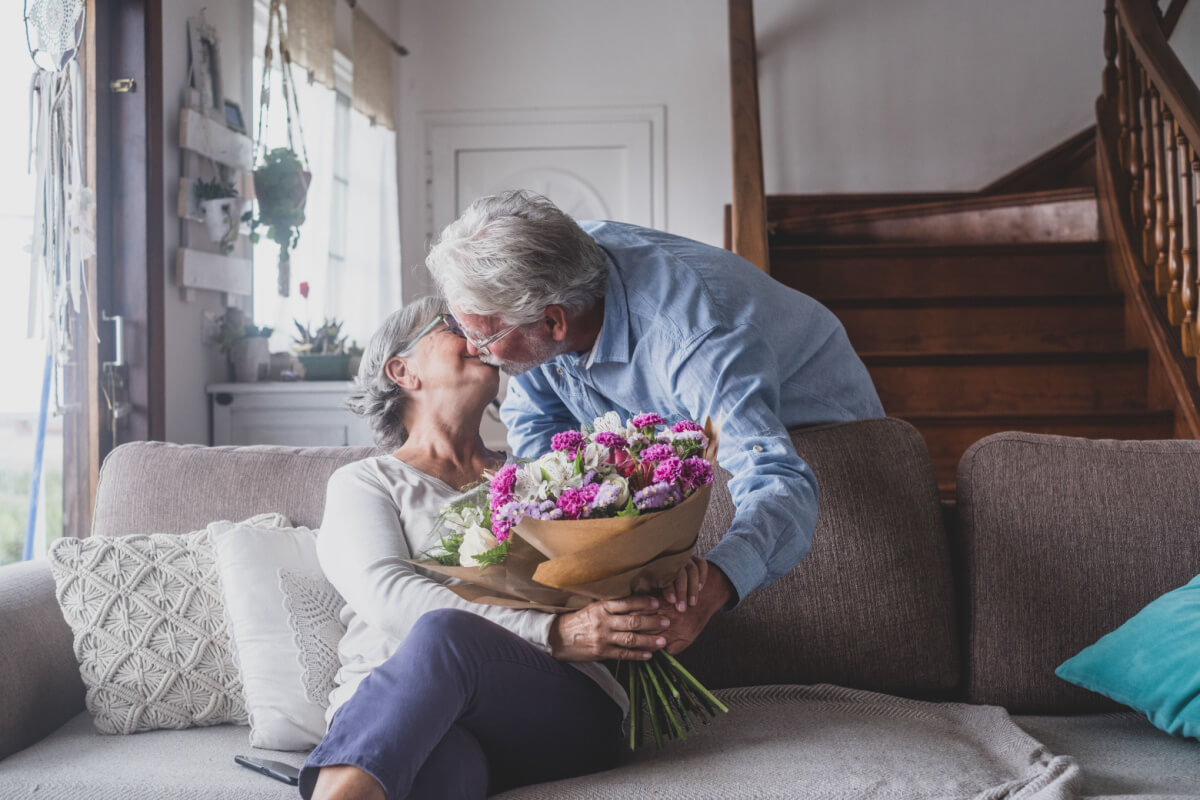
<point>130,207</point>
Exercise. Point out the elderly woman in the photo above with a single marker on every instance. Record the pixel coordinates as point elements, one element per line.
<point>437,696</point>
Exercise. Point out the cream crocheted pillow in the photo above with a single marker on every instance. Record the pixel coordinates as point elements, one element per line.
<point>149,629</point>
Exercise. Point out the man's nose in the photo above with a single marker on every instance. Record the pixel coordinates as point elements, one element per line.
<point>471,348</point>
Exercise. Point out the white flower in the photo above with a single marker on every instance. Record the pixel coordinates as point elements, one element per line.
<point>594,455</point>
<point>559,471</point>
<point>529,486</point>
<point>622,484</point>
<point>610,423</point>
<point>477,540</point>
<point>464,518</point>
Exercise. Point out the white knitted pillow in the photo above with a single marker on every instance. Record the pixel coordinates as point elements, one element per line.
<point>149,629</point>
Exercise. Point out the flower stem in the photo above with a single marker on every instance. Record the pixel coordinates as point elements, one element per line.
<point>695,685</point>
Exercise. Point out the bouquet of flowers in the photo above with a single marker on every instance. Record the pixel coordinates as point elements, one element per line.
<point>610,511</point>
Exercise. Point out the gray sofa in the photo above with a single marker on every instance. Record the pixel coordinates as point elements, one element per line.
<point>962,609</point>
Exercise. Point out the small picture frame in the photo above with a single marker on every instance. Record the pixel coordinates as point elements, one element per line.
<point>233,117</point>
<point>204,59</point>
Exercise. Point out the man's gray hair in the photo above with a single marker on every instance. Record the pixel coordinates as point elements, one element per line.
<point>375,396</point>
<point>513,254</point>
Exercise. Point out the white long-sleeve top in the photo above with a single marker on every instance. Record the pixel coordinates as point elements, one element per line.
<point>379,512</point>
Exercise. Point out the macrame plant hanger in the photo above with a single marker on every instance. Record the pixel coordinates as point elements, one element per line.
<point>277,33</point>
<point>63,232</point>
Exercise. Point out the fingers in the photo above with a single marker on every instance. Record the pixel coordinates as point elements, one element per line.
<point>630,646</point>
<point>693,581</point>
<point>632,604</point>
<point>645,623</point>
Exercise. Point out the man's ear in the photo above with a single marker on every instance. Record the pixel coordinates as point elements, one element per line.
<point>399,373</point>
<point>555,320</point>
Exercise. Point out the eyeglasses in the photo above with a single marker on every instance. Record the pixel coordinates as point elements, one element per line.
<point>451,325</point>
<point>480,344</point>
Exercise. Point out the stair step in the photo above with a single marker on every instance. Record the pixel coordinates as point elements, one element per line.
<point>835,272</point>
<point>949,435</point>
<point>1063,215</point>
<point>985,324</point>
<point>1009,382</point>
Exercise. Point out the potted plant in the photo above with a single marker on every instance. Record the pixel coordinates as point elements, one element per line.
<point>280,189</point>
<point>244,346</point>
<point>219,205</point>
<point>322,352</point>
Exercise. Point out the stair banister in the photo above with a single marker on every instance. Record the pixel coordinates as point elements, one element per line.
<point>749,216</point>
<point>1149,134</point>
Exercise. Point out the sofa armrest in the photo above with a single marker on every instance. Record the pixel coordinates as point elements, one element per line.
<point>40,688</point>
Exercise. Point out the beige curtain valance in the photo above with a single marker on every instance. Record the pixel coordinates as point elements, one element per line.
<point>372,71</point>
<point>311,35</point>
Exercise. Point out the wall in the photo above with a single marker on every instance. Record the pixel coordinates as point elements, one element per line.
<point>857,95</point>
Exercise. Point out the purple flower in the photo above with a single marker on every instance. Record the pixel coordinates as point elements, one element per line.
<point>567,441</point>
<point>658,452</point>
<point>668,471</point>
<point>614,440</point>
<point>606,495</point>
<point>696,472</point>
<point>657,495</point>
<point>646,420</point>
<point>685,425</point>
<point>576,503</point>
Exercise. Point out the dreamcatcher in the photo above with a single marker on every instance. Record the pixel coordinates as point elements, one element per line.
<point>63,235</point>
<point>282,176</point>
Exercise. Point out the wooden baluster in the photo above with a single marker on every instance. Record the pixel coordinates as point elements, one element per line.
<point>1123,151</point>
<point>1173,255</point>
<point>1135,143</point>
<point>1110,50</point>
<point>1147,112</point>
<point>1189,172</point>
<point>1162,278</point>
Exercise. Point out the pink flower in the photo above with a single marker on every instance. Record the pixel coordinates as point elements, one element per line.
<point>685,425</point>
<point>613,440</point>
<point>567,441</point>
<point>647,420</point>
<point>668,471</point>
<point>696,472</point>
<point>502,487</point>
<point>576,503</point>
<point>304,289</point>
<point>658,452</point>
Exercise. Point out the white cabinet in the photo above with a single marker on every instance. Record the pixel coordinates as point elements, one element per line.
<point>299,414</point>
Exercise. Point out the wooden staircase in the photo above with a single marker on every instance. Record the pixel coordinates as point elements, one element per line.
<point>976,313</point>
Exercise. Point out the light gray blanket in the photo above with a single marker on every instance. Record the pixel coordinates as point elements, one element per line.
<point>826,742</point>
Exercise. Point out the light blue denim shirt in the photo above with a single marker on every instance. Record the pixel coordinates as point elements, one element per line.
<point>692,331</point>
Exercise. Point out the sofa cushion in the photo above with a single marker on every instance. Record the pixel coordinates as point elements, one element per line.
<point>152,487</point>
<point>1121,754</point>
<point>1064,540</point>
<point>195,764</point>
<point>872,605</point>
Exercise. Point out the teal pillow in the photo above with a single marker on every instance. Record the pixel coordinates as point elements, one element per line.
<point>1151,663</point>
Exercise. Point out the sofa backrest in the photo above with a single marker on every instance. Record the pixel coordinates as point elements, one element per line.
<point>872,605</point>
<point>153,487</point>
<point>1064,540</point>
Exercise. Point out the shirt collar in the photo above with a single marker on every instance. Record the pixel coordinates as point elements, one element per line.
<point>612,342</point>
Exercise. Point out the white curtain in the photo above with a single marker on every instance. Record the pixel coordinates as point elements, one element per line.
<point>368,288</point>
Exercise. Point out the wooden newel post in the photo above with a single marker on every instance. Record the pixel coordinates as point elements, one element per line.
<point>749,223</point>
<point>1110,51</point>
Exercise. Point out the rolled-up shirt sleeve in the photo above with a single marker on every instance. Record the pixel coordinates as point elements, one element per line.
<point>363,551</point>
<point>730,376</point>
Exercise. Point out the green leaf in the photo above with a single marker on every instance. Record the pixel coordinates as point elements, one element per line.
<point>630,510</point>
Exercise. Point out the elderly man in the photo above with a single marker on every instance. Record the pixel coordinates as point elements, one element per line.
<point>600,316</point>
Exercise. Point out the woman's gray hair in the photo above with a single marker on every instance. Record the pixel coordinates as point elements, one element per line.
<point>375,396</point>
<point>513,254</point>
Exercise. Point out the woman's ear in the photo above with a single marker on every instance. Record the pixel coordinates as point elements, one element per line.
<point>400,373</point>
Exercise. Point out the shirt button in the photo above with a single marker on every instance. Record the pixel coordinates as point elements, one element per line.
<point>758,448</point>
<point>559,370</point>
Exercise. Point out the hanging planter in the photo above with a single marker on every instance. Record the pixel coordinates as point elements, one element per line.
<point>282,177</point>
<point>281,188</point>
<point>220,205</point>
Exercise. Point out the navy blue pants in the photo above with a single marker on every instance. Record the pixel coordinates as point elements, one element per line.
<point>465,708</point>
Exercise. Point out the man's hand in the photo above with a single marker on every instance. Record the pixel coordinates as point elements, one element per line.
<point>715,591</point>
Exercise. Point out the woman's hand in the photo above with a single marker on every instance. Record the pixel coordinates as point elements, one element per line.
<point>683,591</point>
<point>628,629</point>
